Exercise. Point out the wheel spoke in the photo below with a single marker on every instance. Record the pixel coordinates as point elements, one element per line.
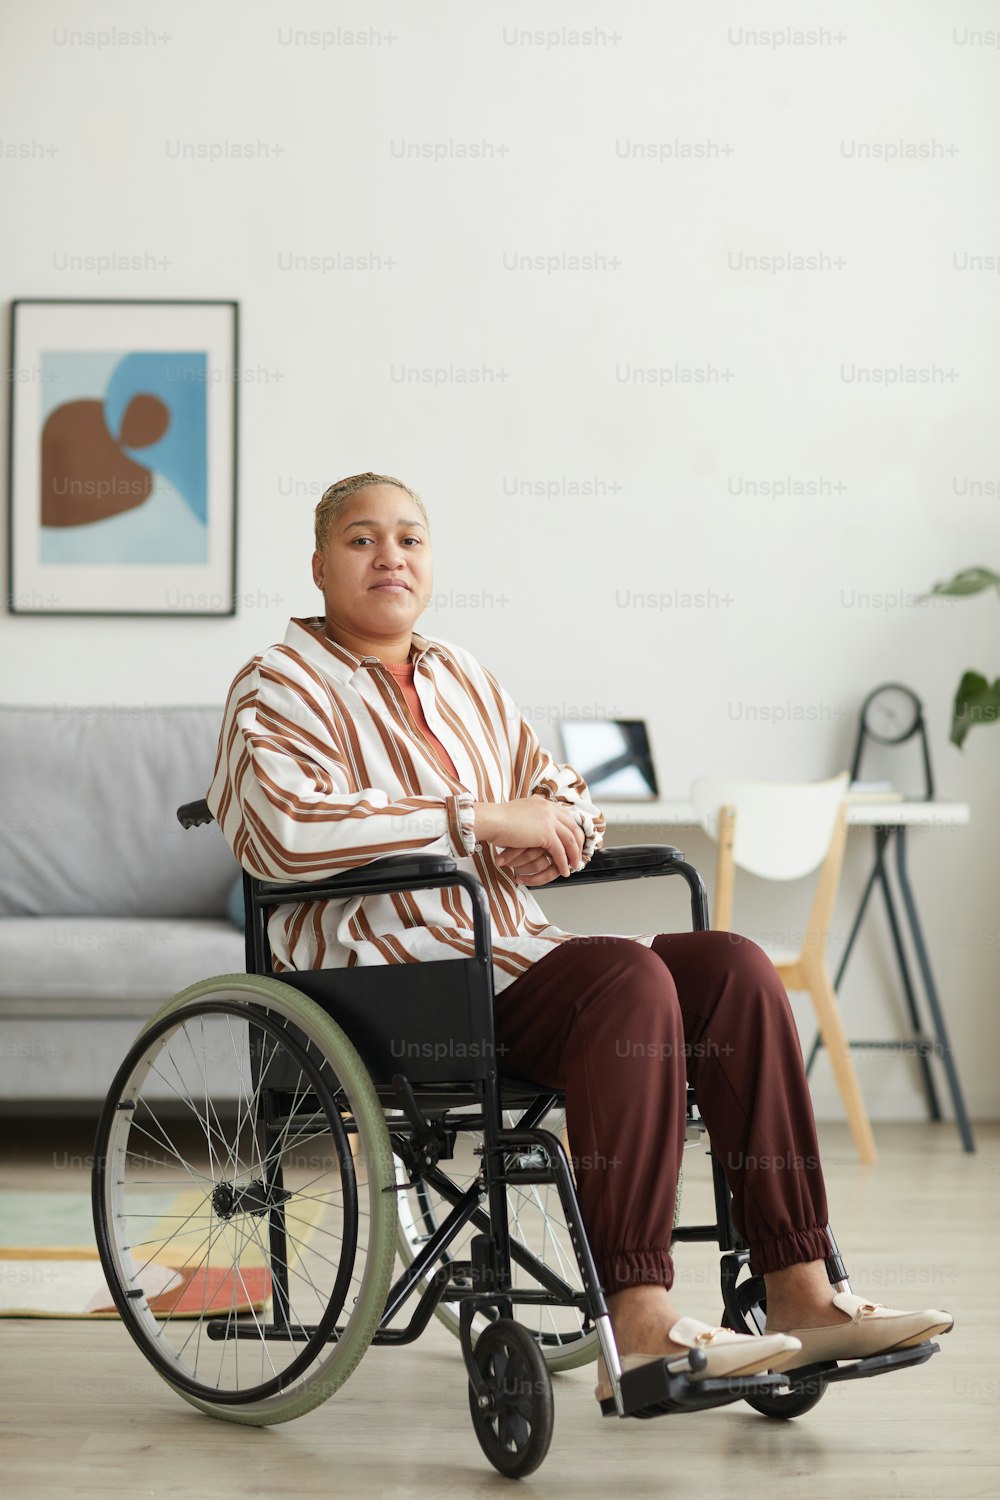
<point>270,1246</point>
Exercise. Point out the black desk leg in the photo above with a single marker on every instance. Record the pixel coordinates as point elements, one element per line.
<point>880,874</point>
<point>941,1035</point>
<point>882,838</point>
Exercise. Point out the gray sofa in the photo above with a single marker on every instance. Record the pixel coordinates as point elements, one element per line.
<point>107,906</point>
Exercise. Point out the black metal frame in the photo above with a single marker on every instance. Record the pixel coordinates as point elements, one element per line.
<point>884,833</point>
<point>920,1042</point>
<point>484,1282</point>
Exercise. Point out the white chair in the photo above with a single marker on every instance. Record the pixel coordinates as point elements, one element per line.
<point>783,831</point>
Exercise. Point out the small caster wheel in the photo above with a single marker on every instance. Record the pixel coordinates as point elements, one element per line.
<point>801,1397</point>
<point>514,1428</point>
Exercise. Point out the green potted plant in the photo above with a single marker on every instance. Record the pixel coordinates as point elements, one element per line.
<point>977,700</point>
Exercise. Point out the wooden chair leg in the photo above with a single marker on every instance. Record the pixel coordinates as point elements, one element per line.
<point>564,1137</point>
<point>354,1143</point>
<point>831,1029</point>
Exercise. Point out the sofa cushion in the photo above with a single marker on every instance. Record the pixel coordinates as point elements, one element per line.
<point>88,803</point>
<point>50,1067</point>
<point>107,965</point>
<point>235,906</point>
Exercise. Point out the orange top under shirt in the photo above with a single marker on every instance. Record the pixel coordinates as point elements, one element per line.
<point>403,672</point>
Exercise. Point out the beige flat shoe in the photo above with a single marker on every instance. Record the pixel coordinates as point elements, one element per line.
<point>873,1329</point>
<point>726,1354</point>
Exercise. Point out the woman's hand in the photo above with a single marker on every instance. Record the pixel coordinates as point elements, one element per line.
<point>534,829</point>
<point>532,866</point>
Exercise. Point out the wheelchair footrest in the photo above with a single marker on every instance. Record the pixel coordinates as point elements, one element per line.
<point>859,1369</point>
<point>653,1391</point>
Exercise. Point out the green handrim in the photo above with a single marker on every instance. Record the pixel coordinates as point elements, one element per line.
<point>375,1148</point>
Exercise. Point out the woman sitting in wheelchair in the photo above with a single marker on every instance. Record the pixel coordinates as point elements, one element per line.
<point>358,738</point>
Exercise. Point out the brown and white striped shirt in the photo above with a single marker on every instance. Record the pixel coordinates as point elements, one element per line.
<point>321,768</point>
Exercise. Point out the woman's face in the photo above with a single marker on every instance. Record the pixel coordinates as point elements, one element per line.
<point>376,571</point>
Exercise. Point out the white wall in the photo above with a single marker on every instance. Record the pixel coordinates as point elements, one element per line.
<point>895,487</point>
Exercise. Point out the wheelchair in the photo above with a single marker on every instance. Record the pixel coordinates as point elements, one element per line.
<point>270,1146</point>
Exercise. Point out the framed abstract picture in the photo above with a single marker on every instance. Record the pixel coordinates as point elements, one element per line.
<point>122,462</point>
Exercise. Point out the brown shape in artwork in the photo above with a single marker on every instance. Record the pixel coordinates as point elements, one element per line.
<point>145,421</point>
<point>85,475</point>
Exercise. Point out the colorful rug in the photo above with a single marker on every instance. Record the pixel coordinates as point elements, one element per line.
<point>50,1268</point>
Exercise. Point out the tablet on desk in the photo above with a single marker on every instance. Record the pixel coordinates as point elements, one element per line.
<point>612,756</point>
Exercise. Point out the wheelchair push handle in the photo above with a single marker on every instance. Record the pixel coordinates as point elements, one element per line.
<point>193,814</point>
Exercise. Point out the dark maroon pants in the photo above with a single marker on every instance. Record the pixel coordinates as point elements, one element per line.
<point>622,1028</point>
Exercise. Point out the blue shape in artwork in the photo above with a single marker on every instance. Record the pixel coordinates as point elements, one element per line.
<point>74,375</point>
<point>179,380</point>
<point>160,530</point>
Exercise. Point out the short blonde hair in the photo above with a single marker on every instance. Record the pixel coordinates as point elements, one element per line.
<point>337,495</point>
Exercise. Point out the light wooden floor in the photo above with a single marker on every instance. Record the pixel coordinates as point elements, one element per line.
<point>82,1414</point>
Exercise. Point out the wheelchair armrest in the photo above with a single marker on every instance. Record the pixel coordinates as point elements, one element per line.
<point>402,867</point>
<point>635,862</point>
<point>191,814</point>
<point>627,861</point>
<point>395,872</point>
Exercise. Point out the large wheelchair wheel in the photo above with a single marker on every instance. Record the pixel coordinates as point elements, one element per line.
<point>248,1248</point>
<point>537,1224</point>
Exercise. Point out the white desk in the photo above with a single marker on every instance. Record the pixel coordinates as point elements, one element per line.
<point>862,812</point>
<point>889,822</point>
